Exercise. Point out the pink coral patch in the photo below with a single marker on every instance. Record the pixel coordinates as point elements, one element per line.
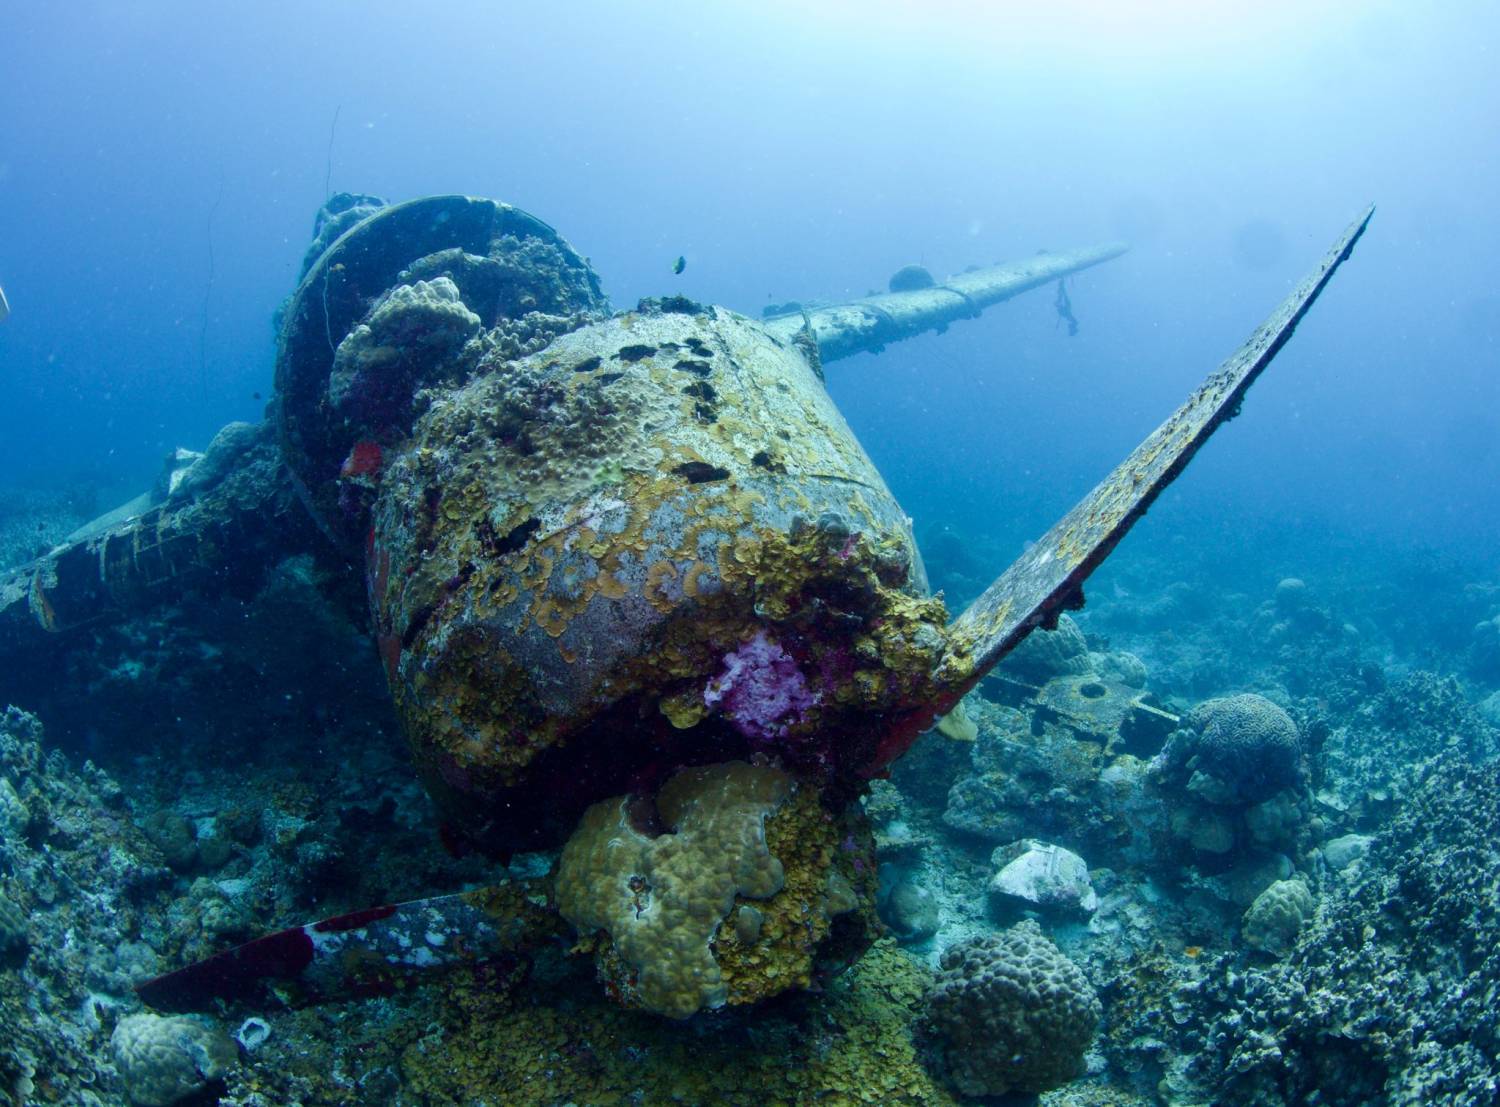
<point>761,690</point>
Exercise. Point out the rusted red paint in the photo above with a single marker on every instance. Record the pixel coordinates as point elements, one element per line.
<point>897,739</point>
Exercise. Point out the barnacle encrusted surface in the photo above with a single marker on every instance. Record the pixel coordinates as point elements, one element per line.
<point>707,914</point>
<point>1012,1012</point>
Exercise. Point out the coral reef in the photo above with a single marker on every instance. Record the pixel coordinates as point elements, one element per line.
<point>593,571</point>
<point>1383,998</point>
<point>910,910</point>
<point>225,452</point>
<point>1049,765</point>
<point>32,521</point>
<point>848,1045</point>
<point>15,941</point>
<point>1012,1013</point>
<point>1192,1014</point>
<point>1035,876</point>
<point>90,893</point>
<point>661,899</point>
<point>1232,785</point>
<point>1489,709</point>
<point>1370,753</point>
<point>412,337</point>
<point>1045,654</point>
<point>1484,651</point>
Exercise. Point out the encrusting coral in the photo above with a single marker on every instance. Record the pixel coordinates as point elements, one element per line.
<point>662,898</point>
<point>848,1045</point>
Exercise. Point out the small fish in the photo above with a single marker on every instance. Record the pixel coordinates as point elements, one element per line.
<point>679,265</point>
<point>5,305</point>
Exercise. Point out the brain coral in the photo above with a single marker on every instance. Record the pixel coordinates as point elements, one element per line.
<point>164,1060</point>
<point>653,906</point>
<point>1012,1013</point>
<point>1239,749</point>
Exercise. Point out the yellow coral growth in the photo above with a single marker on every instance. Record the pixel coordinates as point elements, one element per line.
<point>770,947</point>
<point>661,899</point>
<point>848,1045</point>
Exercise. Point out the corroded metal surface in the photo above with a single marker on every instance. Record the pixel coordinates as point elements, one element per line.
<point>656,542</point>
<point>639,544</point>
<point>1049,577</point>
<point>651,542</point>
<point>868,324</point>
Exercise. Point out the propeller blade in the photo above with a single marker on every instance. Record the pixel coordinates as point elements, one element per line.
<point>369,952</point>
<point>1049,577</point>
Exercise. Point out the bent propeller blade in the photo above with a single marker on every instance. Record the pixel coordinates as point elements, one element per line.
<point>1048,578</point>
<point>369,952</point>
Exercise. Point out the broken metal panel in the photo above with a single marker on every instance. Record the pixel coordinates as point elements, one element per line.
<point>231,529</point>
<point>1049,577</point>
<point>868,324</point>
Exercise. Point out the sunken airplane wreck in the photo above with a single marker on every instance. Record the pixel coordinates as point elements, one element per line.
<point>637,591</point>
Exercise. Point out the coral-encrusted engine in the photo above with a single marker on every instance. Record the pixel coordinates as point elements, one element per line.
<point>653,543</point>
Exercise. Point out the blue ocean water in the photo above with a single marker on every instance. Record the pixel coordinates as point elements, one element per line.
<point>161,164</point>
<point>804,151</point>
